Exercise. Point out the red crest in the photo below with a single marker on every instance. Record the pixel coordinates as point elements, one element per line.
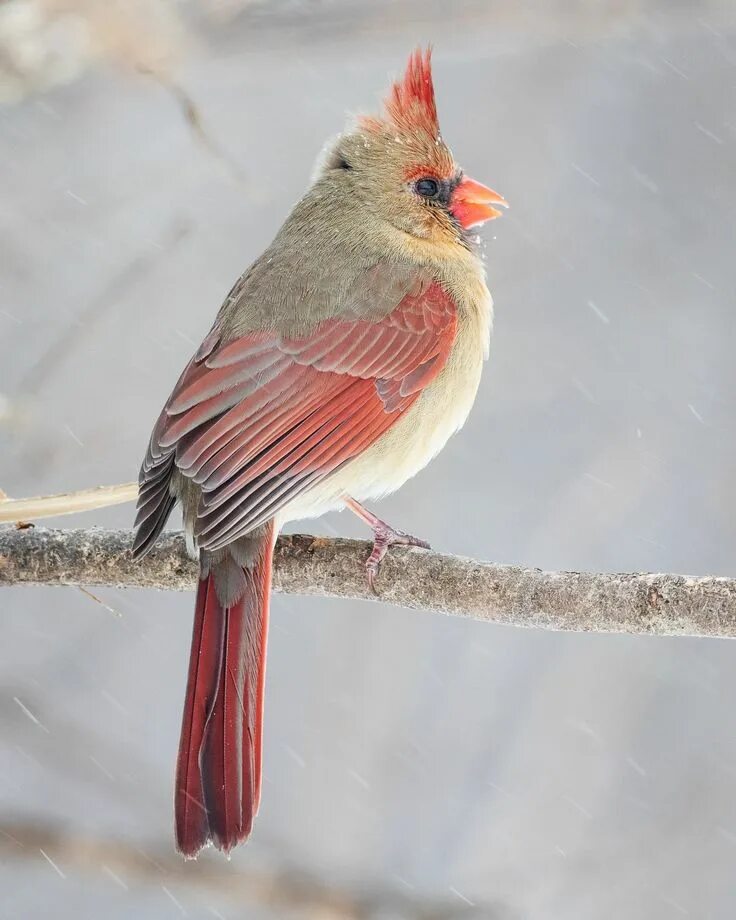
<point>410,104</point>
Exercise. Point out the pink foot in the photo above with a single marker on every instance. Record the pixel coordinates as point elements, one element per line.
<point>385,536</point>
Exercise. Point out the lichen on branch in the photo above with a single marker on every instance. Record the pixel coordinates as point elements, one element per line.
<point>664,604</point>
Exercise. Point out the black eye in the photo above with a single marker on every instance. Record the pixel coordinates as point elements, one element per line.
<point>427,188</point>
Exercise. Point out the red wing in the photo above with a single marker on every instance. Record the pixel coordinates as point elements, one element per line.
<point>262,418</point>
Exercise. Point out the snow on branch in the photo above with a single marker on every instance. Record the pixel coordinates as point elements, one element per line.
<point>663,605</point>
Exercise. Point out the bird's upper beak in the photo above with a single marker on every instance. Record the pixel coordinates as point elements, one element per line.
<point>471,202</point>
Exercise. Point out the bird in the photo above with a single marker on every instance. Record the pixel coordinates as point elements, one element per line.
<point>338,366</point>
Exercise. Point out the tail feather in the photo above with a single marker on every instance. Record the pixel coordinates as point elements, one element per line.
<point>218,776</point>
<point>192,825</point>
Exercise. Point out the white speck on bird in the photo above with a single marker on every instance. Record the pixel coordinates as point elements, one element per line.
<point>637,767</point>
<point>361,780</point>
<point>174,901</point>
<point>674,68</point>
<point>116,878</point>
<point>50,861</point>
<point>695,412</point>
<point>598,312</point>
<point>708,133</point>
<point>30,715</point>
<point>103,770</point>
<point>299,761</point>
<point>703,280</point>
<point>75,197</point>
<point>72,435</point>
<point>586,175</point>
<point>579,385</point>
<point>459,894</point>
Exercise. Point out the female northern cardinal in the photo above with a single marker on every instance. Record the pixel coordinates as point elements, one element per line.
<point>338,366</point>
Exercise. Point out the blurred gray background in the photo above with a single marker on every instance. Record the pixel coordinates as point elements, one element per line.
<point>416,766</point>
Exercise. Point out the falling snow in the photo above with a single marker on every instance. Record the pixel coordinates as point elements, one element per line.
<point>598,312</point>
<point>26,711</point>
<point>53,865</point>
<point>603,438</point>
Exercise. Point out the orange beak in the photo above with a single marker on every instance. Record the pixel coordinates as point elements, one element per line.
<point>471,202</point>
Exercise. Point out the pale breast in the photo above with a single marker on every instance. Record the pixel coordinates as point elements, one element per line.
<point>424,429</point>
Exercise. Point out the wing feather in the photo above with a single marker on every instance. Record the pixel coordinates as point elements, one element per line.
<point>256,421</point>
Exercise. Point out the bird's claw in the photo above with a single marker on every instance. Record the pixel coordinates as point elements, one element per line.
<point>384,537</point>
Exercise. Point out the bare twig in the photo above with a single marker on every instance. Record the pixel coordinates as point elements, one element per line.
<point>195,122</point>
<point>282,889</point>
<point>41,371</point>
<point>665,605</point>
<point>29,509</point>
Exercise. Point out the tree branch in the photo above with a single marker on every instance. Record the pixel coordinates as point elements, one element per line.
<point>246,882</point>
<point>664,605</point>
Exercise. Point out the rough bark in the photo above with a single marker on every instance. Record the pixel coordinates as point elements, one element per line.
<point>664,605</point>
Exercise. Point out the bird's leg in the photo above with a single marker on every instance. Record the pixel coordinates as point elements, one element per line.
<point>384,536</point>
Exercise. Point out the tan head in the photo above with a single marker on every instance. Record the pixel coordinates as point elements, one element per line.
<point>400,170</point>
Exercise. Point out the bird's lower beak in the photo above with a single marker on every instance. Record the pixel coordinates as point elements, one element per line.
<point>471,203</point>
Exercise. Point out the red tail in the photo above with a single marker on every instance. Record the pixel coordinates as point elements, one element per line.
<point>218,771</point>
